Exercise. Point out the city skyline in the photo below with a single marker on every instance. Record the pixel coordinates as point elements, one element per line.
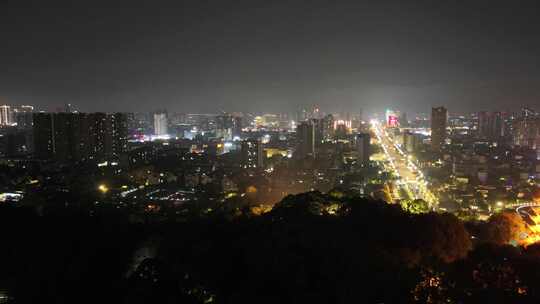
<point>249,151</point>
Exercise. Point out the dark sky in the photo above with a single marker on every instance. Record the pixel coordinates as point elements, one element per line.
<point>206,56</point>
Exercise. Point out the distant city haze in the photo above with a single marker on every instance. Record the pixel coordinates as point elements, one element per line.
<point>272,56</point>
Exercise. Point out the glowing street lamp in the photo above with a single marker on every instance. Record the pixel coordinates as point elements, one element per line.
<point>103,188</point>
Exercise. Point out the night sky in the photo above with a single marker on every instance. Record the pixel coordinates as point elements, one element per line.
<point>210,56</point>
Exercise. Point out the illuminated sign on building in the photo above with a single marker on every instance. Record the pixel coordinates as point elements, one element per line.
<point>392,121</point>
<point>392,118</point>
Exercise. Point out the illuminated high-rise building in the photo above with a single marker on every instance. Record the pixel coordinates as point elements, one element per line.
<point>5,115</point>
<point>160,124</point>
<point>305,136</point>
<point>224,126</point>
<point>116,126</point>
<point>402,120</point>
<point>65,135</point>
<point>328,127</point>
<point>483,123</point>
<point>318,125</point>
<point>410,141</point>
<point>342,129</point>
<point>237,126</point>
<point>527,132</point>
<point>438,127</point>
<point>98,130</point>
<point>270,120</point>
<point>492,125</point>
<point>43,135</point>
<point>316,113</point>
<point>23,117</point>
<point>224,121</point>
<point>363,148</point>
<point>301,115</point>
<point>252,153</point>
<point>228,126</point>
<point>392,118</point>
<point>79,136</point>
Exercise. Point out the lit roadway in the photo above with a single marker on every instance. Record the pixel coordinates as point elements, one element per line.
<point>409,177</point>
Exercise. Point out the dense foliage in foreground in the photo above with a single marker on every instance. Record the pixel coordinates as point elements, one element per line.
<point>311,248</point>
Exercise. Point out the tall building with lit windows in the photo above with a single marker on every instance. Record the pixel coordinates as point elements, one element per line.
<point>318,125</point>
<point>44,145</point>
<point>483,123</point>
<point>79,136</point>
<point>160,124</point>
<point>392,118</point>
<point>116,134</point>
<point>328,127</point>
<point>527,132</point>
<point>5,116</point>
<point>228,126</point>
<point>492,125</point>
<point>22,116</point>
<point>363,148</point>
<point>252,153</point>
<point>305,136</point>
<point>438,127</point>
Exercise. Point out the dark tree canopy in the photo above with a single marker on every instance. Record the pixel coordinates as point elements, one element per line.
<point>312,247</point>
